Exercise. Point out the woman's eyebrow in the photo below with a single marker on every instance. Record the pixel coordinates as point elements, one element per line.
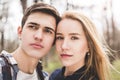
<point>58,33</point>
<point>74,34</point>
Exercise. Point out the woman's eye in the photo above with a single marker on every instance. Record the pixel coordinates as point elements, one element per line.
<point>59,38</point>
<point>74,38</point>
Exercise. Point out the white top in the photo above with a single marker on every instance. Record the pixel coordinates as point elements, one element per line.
<point>24,76</point>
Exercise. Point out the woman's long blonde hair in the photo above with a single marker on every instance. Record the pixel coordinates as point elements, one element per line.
<point>97,63</point>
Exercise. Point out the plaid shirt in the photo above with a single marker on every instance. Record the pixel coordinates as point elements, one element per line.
<point>13,66</point>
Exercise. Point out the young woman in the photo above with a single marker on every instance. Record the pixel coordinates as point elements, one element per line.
<point>80,49</point>
<point>36,32</point>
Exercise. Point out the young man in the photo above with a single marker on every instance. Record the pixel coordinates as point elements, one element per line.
<point>37,35</point>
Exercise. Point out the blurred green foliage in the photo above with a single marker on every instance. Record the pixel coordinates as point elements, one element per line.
<point>51,61</point>
<point>116,71</point>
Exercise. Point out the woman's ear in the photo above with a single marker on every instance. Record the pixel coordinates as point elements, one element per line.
<point>19,31</point>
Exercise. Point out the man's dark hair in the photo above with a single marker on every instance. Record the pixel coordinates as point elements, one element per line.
<point>41,7</point>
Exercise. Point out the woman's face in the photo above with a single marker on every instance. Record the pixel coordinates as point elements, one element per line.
<point>71,43</point>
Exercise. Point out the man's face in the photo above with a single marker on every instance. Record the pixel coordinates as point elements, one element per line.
<point>37,35</point>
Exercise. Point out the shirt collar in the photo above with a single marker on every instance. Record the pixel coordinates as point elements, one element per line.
<point>9,57</point>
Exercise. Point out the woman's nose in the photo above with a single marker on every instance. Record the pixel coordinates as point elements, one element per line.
<point>65,44</point>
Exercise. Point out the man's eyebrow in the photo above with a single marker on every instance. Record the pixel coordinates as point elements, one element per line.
<point>33,23</point>
<point>50,29</point>
<point>39,25</point>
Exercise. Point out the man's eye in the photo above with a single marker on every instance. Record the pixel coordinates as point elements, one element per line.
<point>48,31</point>
<point>59,38</point>
<point>74,38</point>
<point>33,27</point>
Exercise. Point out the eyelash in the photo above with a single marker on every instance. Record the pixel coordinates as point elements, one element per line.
<point>48,31</point>
<point>61,38</point>
<point>74,38</point>
<point>33,27</point>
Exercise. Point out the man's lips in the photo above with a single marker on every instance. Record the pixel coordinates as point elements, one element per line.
<point>65,55</point>
<point>36,45</point>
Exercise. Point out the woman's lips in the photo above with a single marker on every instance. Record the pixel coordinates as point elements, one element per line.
<point>37,46</point>
<point>65,55</point>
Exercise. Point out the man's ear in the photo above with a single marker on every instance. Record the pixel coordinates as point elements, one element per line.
<point>19,31</point>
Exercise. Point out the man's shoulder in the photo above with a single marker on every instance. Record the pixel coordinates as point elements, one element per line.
<point>46,75</point>
<point>2,58</point>
<point>7,56</point>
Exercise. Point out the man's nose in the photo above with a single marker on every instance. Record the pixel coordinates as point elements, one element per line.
<point>38,35</point>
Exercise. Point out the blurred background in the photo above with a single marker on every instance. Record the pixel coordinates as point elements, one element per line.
<point>104,13</point>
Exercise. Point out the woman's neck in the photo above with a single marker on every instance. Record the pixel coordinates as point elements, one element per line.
<point>69,70</point>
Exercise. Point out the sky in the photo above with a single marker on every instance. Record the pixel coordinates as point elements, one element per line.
<point>15,11</point>
<point>14,19</point>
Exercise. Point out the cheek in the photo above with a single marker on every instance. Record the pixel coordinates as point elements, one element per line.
<point>26,38</point>
<point>48,42</point>
<point>25,34</point>
<point>81,48</point>
<point>79,54</point>
<point>57,45</point>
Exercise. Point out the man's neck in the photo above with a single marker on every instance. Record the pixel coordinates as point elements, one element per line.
<point>25,63</point>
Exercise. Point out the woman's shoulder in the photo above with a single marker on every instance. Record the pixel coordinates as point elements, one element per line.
<point>95,78</point>
<point>54,74</point>
<point>57,71</point>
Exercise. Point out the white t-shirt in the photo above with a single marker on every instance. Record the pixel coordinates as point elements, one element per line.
<point>24,76</point>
